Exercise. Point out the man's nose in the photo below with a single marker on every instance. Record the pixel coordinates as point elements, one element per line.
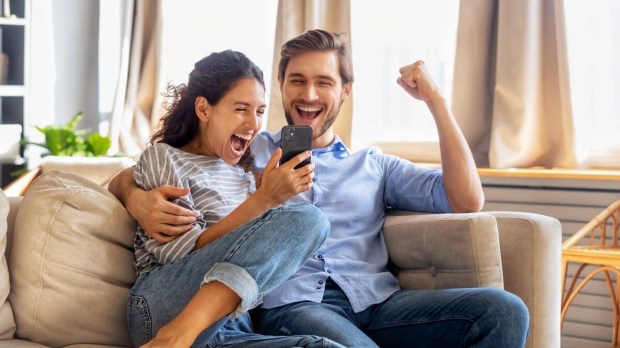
<point>309,93</point>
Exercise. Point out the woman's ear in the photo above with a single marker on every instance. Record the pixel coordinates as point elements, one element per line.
<point>201,107</point>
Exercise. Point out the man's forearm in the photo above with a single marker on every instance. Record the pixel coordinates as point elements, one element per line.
<point>122,184</point>
<point>459,169</point>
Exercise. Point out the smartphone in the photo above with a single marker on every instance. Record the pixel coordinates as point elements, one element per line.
<point>295,140</point>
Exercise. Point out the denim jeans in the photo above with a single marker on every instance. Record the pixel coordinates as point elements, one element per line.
<point>252,260</point>
<point>477,317</point>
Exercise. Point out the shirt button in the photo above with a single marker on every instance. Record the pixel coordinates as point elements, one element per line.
<point>313,179</point>
<point>320,257</point>
<point>318,287</point>
<point>329,271</point>
<point>313,153</point>
<point>320,282</point>
<point>316,204</point>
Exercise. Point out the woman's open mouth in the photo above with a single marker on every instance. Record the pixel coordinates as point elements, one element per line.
<point>239,143</point>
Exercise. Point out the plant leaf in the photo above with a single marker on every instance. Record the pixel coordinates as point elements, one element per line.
<point>97,144</point>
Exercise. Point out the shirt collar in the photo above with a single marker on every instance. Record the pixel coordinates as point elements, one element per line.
<point>336,146</point>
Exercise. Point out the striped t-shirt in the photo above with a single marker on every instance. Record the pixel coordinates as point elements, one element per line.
<point>216,189</point>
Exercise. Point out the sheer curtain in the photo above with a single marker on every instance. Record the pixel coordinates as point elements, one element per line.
<point>511,91</point>
<point>294,17</point>
<point>133,115</point>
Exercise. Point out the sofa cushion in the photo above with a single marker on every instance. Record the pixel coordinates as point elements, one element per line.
<point>71,263</point>
<point>7,324</point>
<point>439,251</point>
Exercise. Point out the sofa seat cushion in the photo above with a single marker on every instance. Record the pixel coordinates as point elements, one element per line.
<point>71,263</point>
<point>7,324</point>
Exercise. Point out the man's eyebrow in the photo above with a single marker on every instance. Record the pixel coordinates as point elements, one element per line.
<point>326,77</point>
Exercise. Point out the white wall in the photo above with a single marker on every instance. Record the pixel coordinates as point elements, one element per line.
<point>63,66</point>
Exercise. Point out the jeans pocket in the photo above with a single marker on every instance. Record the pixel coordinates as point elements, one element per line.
<point>139,320</point>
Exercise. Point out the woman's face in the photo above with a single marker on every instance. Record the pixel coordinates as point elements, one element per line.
<point>228,128</point>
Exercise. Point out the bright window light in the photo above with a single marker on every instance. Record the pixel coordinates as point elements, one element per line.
<point>192,29</point>
<point>386,36</point>
<point>593,40</point>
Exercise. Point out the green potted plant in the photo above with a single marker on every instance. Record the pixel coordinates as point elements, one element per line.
<point>66,140</point>
<point>78,152</point>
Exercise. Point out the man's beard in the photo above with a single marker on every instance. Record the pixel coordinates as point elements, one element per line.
<point>329,121</point>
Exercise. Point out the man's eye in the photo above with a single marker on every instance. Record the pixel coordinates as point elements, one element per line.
<point>241,109</point>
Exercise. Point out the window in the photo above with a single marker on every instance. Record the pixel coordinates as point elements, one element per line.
<point>593,42</point>
<point>192,30</point>
<point>384,38</point>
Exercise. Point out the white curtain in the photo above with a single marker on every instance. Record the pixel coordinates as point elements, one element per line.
<point>511,92</point>
<point>294,18</point>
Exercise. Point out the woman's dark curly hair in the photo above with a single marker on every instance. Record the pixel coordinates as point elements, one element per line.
<point>212,77</point>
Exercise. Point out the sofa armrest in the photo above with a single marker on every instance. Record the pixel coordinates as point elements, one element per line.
<point>437,251</point>
<point>531,247</point>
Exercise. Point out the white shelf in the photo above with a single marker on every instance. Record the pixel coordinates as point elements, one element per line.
<point>12,21</point>
<point>12,91</point>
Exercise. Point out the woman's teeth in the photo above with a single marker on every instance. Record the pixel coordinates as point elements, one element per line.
<point>243,136</point>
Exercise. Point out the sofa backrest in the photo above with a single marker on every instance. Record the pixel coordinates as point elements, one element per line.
<point>71,263</point>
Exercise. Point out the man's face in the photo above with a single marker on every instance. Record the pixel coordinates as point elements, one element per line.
<point>312,93</point>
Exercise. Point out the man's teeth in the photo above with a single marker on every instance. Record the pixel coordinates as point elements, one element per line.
<point>310,108</point>
<point>243,136</point>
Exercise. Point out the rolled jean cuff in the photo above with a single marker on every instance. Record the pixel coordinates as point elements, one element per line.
<point>239,281</point>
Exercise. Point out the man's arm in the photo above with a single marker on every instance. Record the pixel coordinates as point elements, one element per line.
<point>160,218</point>
<point>460,175</point>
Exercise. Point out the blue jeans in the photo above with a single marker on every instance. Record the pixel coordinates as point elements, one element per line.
<point>478,317</point>
<point>252,260</point>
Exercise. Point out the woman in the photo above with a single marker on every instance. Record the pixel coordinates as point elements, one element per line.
<point>245,242</point>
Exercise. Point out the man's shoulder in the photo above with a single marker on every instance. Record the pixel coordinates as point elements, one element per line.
<point>265,138</point>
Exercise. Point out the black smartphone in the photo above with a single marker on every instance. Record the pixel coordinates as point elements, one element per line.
<point>295,140</point>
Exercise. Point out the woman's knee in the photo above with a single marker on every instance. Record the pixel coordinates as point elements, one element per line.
<point>310,220</point>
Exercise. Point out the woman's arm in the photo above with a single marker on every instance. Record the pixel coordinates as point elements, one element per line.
<point>278,185</point>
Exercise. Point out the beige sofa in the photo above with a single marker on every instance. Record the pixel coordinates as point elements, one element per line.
<point>69,253</point>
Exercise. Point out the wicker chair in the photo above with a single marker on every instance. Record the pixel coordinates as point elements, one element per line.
<point>596,245</point>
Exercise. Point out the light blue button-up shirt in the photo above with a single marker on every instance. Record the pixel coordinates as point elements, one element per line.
<point>354,190</point>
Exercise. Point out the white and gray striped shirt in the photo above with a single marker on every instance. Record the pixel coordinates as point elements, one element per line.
<point>216,189</point>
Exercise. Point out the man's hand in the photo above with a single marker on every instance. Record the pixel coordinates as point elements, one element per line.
<point>161,219</point>
<point>415,79</point>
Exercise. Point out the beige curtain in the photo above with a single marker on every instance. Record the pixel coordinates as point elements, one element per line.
<point>511,95</point>
<point>295,17</point>
<point>134,117</point>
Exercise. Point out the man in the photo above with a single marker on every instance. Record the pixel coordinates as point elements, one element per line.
<point>345,292</point>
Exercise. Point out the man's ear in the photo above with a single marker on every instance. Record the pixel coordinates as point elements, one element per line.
<point>346,91</point>
<point>202,108</point>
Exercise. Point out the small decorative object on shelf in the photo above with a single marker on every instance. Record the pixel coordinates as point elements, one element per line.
<point>10,136</point>
<point>6,9</point>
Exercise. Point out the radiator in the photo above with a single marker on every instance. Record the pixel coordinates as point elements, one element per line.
<point>573,199</point>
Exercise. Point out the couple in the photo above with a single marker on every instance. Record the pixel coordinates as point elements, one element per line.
<point>318,277</point>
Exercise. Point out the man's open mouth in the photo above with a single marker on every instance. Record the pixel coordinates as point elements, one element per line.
<point>309,112</point>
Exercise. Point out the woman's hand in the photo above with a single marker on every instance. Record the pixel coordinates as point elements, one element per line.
<point>280,183</point>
